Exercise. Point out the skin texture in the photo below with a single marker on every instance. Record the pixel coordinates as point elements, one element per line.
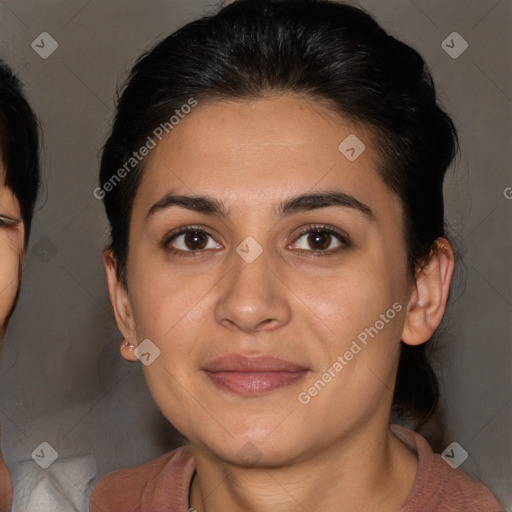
<point>11,257</point>
<point>11,253</point>
<point>336,452</point>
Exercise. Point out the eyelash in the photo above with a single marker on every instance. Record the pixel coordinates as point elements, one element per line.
<point>319,228</point>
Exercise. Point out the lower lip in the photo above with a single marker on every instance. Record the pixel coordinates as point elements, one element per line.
<point>254,383</point>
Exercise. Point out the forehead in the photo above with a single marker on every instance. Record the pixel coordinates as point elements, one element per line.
<point>284,141</point>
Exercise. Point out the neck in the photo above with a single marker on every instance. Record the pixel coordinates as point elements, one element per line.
<point>369,469</point>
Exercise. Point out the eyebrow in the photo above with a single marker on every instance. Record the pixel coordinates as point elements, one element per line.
<point>297,204</point>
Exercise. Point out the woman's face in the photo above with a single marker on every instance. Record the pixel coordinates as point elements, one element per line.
<point>11,251</point>
<point>278,322</point>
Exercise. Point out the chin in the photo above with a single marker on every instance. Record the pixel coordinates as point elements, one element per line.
<point>254,448</point>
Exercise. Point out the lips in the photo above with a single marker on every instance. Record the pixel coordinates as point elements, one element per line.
<point>253,375</point>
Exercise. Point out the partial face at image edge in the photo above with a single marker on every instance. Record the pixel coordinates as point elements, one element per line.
<point>12,249</point>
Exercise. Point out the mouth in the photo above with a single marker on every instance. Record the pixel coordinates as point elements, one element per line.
<point>254,375</point>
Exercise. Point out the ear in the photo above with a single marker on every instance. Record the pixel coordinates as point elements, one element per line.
<point>428,300</point>
<point>121,306</point>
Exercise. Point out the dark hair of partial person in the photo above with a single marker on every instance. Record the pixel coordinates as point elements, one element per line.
<point>19,144</point>
<point>332,52</point>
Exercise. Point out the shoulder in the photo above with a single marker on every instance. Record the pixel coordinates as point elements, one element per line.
<point>6,490</point>
<point>162,479</point>
<point>440,487</point>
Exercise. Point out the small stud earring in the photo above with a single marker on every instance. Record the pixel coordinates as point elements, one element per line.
<point>128,344</point>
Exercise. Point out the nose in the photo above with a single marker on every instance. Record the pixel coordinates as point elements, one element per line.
<point>253,297</point>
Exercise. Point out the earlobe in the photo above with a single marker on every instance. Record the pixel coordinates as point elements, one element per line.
<point>128,351</point>
<point>430,294</point>
<point>121,306</point>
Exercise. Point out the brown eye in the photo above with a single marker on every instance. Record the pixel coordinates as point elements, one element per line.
<point>191,240</point>
<point>195,240</point>
<point>319,240</point>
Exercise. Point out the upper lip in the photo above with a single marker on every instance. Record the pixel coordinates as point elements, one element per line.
<point>258,363</point>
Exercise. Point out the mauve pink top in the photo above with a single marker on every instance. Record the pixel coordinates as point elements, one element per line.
<point>162,485</point>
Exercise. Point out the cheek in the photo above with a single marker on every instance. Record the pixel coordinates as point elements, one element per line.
<point>351,298</point>
<point>362,305</point>
<point>174,315</point>
<point>9,277</point>
<point>165,303</point>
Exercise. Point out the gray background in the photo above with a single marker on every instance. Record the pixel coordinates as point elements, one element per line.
<point>62,378</point>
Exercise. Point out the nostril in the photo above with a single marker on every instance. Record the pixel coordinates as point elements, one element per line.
<point>264,323</point>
